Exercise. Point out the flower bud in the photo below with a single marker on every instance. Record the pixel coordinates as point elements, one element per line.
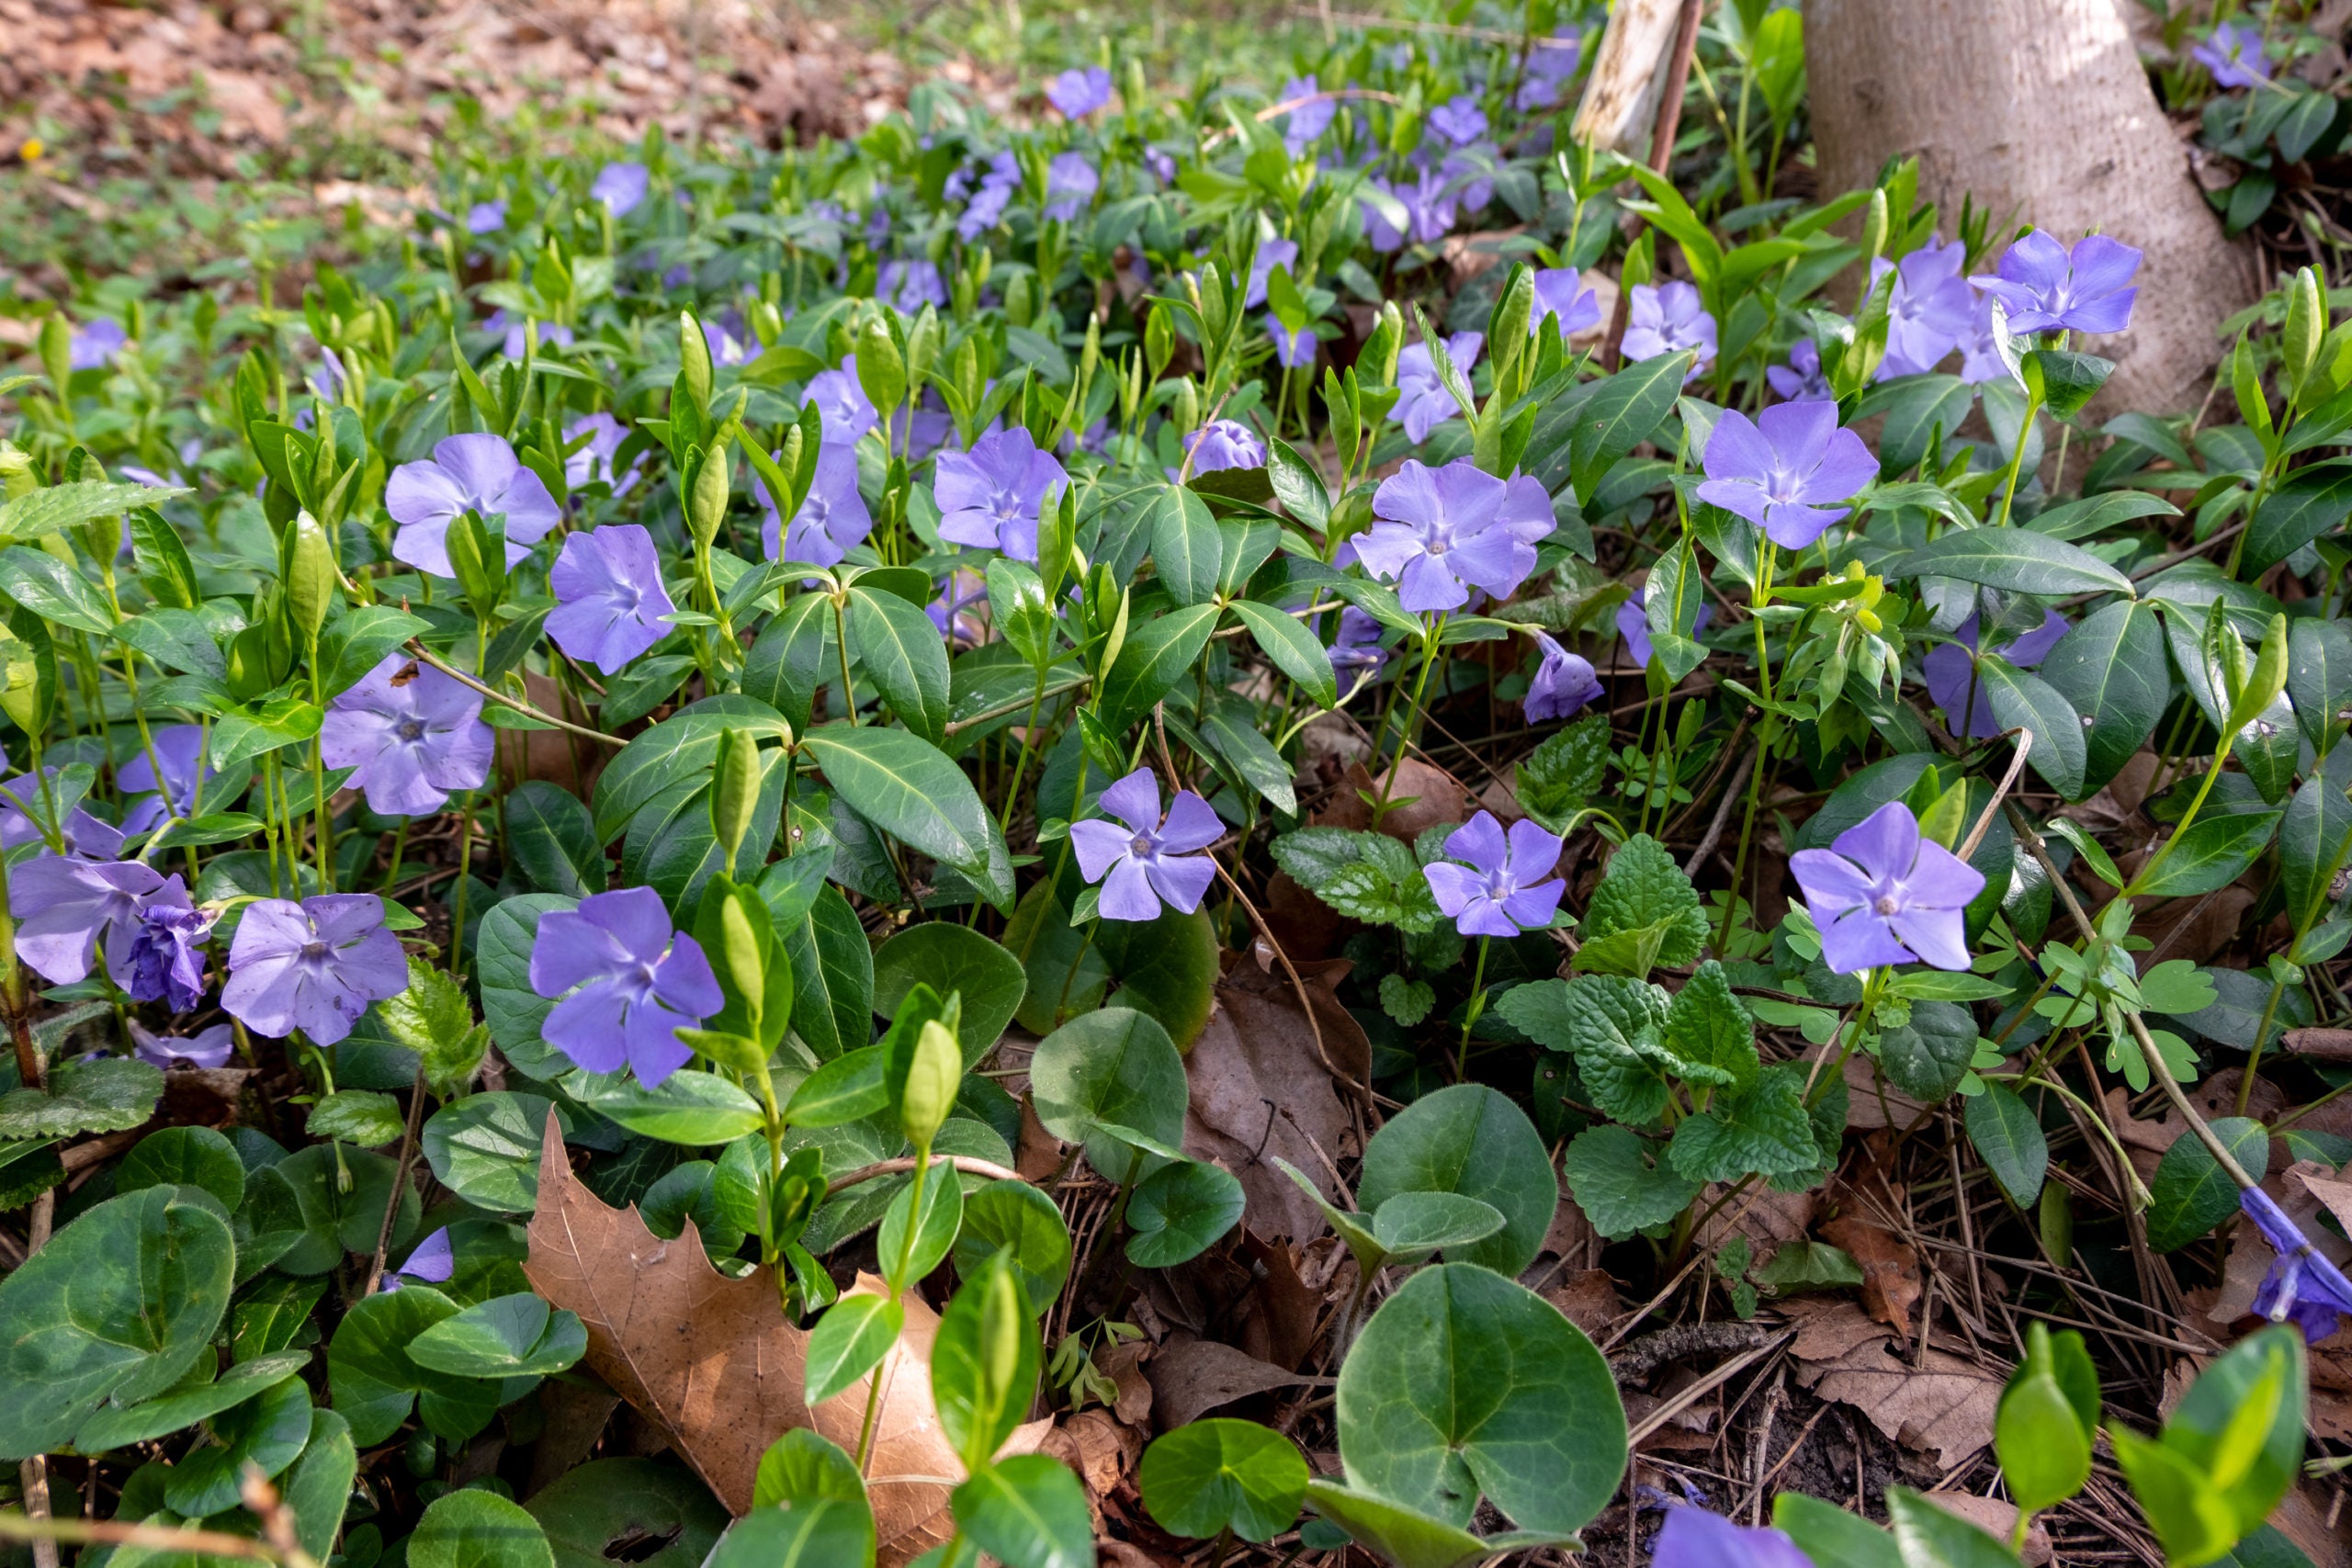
<point>1875,227</point>
<point>1185,407</point>
<point>707,508</point>
<point>1158,342</point>
<point>2265,680</point>
<point>2306,325</point>
<point>933,1079</point>
<point>694,361</point>
<point>310,575</point>
<point>1212,304</point>
<point>735,790</point>
<point>1506,332</point>
<point>881,368</point>
<point>745,957</point>
<point>1378,361</point>
<point>1002,1322</point>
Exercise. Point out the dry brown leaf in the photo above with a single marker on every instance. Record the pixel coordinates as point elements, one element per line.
<point>1996,1518</point>
<point>1830,1327</point>
<point>1765,1217</point>
<point>1943,1405</point>
<point>1122,1364</point>
<point>1589,1301</point>
<point>1191,1377</point>
<point>1890,1269</point>
<point>1102,1449</point>
<point>714,1361</point>
<point>1432,797</point>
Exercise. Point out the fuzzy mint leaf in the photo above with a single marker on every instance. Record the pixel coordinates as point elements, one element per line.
<point>1314,856</point>
<point>1366,877</point>
<point>1762,1133</point>
<point>1560,776</point>
<point>1610,1023</point>
<point>1643,886</point>
<point>357,1116</point>
<point>1706,1023</point>
<point>1621,1182</point>
<point>1406,1001</point>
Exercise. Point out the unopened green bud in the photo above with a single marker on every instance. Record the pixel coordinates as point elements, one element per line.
<point>1212,304</point>
<point>694,360</point>
<point>2265,680</point>
<point>310,575</point>
<point>1001,1325</point>
<point>1158,341</point>
<point>1378,361</point>
<point>933,1079</point>
<point>735,790</point>
<point>1874,227</point>
<point>707,509</point>
<point>881,368</point>
<point>745,957</point>
<point>1506,332</point>
<point>1185,407</point>
<point>2306,326</point>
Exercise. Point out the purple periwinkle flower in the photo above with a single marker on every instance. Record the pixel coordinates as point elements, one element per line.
<point>1466,170</point>
<point>621,186</point>
<point>1929,312</point>
<point>2301,1284</point>
<point>1634,623</point>
<point>1785,469</point>
<point>550,334</point>
<point>2047,288</point>
<point>730,342</point>
<point>955,611</point>
<point>412,733</point>
<point>1667,318</point>
<point>1147,861</point>
<point>66,908</point>
<point>1225,444</point>
<point>910,285</point>
<point>1559,293</point>
<point>1801,381</point>
<point>1293,350</point>
<point>988,498</point>
<point>1070,183</point>
<point>594,461</point>
<point>1272,253</point>
<point>831,519</point>
<point>1881,894</point>
<point>986,209</point>
<point>93,345</point>
<point>316,965</point>
<point>842,404</point>
<point>207,1048</point>
<point>166,959</point>
<point>431,1263</point>
<point>1498,889</point>
<point>610,601</point>
<point>1442,532</point>
<point>1429,211</point>
<point>1422,401</point>
<point>1310,119</point>
<point>85,837</point>
<point>2235,54</point>
<point>1951,674</point>
<point>1357,644</point>
<point>1564,682</point>
<point>1980,349</point>
<point>466,473</point>
<point>179,754</point>
<point>1693,1537</point>
<point>1459,120</point>
<point>485,218</point>
<point>628,982</point>
<point>1551,65</point>
<point>1079,92</point>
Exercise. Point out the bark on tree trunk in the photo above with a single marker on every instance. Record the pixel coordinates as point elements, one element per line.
<point>2042,111</point>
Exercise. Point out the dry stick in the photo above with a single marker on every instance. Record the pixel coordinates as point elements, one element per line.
<point>1715,828</point>
<point>1716,1379</point>
<point>963,1162</point>
<point>1985,819</point>
<point>400,1182</point>
<point>45,1534</point>
<point>500,698</point>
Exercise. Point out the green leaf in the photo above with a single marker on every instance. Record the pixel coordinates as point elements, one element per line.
<point>485,1148</point>
<point>1231,730</point>
<point>1472,1140</point>
<point>1112,1066</point>
<point>553,840</point>
<point>121,1425</point>
<point>359,1116</point>
<point>472,1528</point>
<point>2308,502</point>
<point>306,1193</point>
<point>682,747</point>
<point>794,655</point>
<point>1185,545</point>
<point>317,1486</point>
<point>94,1094</point>
<point>2009,1141</point>
<point>692,1107</point>
<point>2190,1192</point>
<point>57,593</point>
<point>1929,1538</point>
<point>943,1215</point>
<point>375,1384</point>
<point>802,1467</point>
<point>1179,1212</point>
<point>1928,1057</point>
<point>847,1088</point>
<point>1412,1226</point>
<point>2043,1444</point>
<point>1764,1132</point>
<point>119,1304</point>
<point>1028,1512</point>
<point>903,654</point>
<point>2213,852</point>
<point>1643,886</point>
<point>1565,770</point>
<point>2018,561</point>
<point>2096,514</point>
<point>506,1337</point>
<point>1017,1220</point>
<point>503,967</point>
<point>2319,672</point>
<point>265,1434</point>
<point>2312,837</point>
<point>1806,1266</point>
<point>1155,657</point>
<point>2021,700</point>
<point>819,1534</point>
<point>1222,1474</point>
<point>1465,1384</point>
<point>1612,1024</point>
<point>907,787</point>
<point>1830,1536</point>
<point>832,976</point>
<point>1366,877</point>
<point>1706,1023</point>
<point>1410,1538</point>
<point>256,732</point>
<point>850,1341</point>
<point>976,1411</point>
<point>357,641</point>
<point>611,1510</point>
<point>2240,1431</point>
<point>1621,412</point>
<point>1299,485</point>
<point>185,1156</point>
<point>2110,669</point>
<point>1294,649</point>
<point>56,508</point>
<point>952,958</point>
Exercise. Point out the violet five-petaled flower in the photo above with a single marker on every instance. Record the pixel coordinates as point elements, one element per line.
<point>93,345</point>
<point>66,908</point>
<point>609,598</point>
<point>1079,92</point>
<point>476,473</point>
<point>594,461</point>
<point>207,1048</point>
<point>1225,444</point>
<point>989,497</point>
<point>1422,401</point>
<point>413,733</point>
<point>1693,1537</point>
<point>431,1264</point>
<point>1497,888</point>
<point>1071,181</point>
<point>1951,674</point>
<point>1560,295</point>
<point>2301,1284</point>
<point>1460,120</point>
<point>1881,894</point>
<point>1313,117</point>
<point>620,187</point>
<point>1272,253</point>
<point>1356,646</point>
<point>2235,55</point>
<point>166,783</point>
<point>2046,287</point>
<point>1634,623</point>
<point>485,218</point>
<point>1930,310</point>
<point>1786,469</point>
<point>628,984</point>
<point>1293,350</point>
<point>166,957</point>
<point>84,836</point>
<point>831,518</point>
<point>845,411</point>
<point>1564,682</point>
<point>1147,861</point>
<point>316,965</point>
<point>956,610</point>
<point>1801,379</point>
<point>1667,318</point>
<point>1440,532</point>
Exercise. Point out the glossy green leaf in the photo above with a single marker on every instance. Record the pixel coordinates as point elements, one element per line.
<point>832,976</point>
<point>1929,1538</point>
<point>1020,1221</point>
<point>185,1156</point>
<point>1470,1140</point>
<point>821,1534</point>
<point>553,840</point>
<point>513,1336</point>
<point>613,1510</point>
<point>804,1466</point>
<point>1028,1512</point>
<point>1412,1226</point>
<point>2190,1192</point>
<point>266,1433</point>
<point>1411,1538</point>
<point>485,1148</point>
<point>2214,853</point>
<point>2110,669</point>
<point>850,1341</point>
<point>317,1486</point>
<point>907,787</point>
<point>1179,1211</point>
<point>2009,1141</point>
<point>1621,412</point>
<point>691,1107</point>
<point>1156,655</point>
<point>120,1426</point>
<point>932,1237</point>
<point>375,1384</point>
<point>1185,545</point>
<point>2020,699</point>
<point>2306,503</point>
<point>904,656</point>
<point>1223,1474</point>
<point>92,1094</point>
<point>847,1088</point>
<point>980,1403</point>
<point>1293,649</point>
<point>503,966</point>
<point>949,957</point>
<point>2018,561</point>
<point>473,1529</point>
<point>1116,1065</point>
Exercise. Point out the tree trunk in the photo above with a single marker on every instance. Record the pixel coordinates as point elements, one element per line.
<point>2042,111</point>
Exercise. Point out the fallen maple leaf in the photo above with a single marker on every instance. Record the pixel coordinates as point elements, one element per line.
<point>715,1362</point>
<point>1945,1404</point>
<point>1890,1269</point>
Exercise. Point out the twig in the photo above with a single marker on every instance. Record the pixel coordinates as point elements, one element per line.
<point>158,1537</point>
<point>1715,828</point>
<point>1984,818</point>
<point>400,1182</point>
<point>963,1162</point>
<point>500,698</point>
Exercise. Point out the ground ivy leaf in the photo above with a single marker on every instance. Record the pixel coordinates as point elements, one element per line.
<point>1761,1133</point>
<point>1621,1184</point>
<point>1706,1023</point>
<point>1643,886</point>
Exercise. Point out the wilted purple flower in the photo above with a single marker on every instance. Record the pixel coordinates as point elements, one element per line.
<point>1801,381</point>
<point>1080,92</point>
<point>1460,121</point>
<point>1310,119</point>
<point>95,344</point>
<point>2235,54</point>
<point>1785,469</point>
<point>179,751</point>
<point>1293,351</point>
<point>413,734</point>
<point>1930,310</point>
<point>910,285</point>
<point>1357,646</point>
<point>621,186</point>
<point>989,497</point>
<point>2301,1284</point>
<point>1952,673</point>
<point>1551,65</point>
<point>64,906</point>
<point>85,836</point>
<point>830,520</point>
<point>1225,444</point>
<point>594,461</point>
<point>609,597</point>
<point>1694,1537</point>
<point>842,403</point>
<point>1559,293</point>
<point>314,965</point>
<point>1147,861</point>
<point>485,218</point>
<point>1667,318</point>
<point>1881,894</point>
<point>1501,890</point>
<point>207,1048</point>
<point>431,1263</point>
<point>166,959</point>
<point>628,981</point>
<point>1564,682</point>
<point>2047,289</point>
<point>953,611</point>
<point>1422,401</point>
<point>1070,183</point>
<point>1272,253</point>
<point>1634,623</point>
<point>1444,531</point>
<point>466,473</point>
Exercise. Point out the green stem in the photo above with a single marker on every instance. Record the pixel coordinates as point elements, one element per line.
<point>2204,787</point>
<point>1855,1028</point>
<point>1420,687</point>
<point>325,821</point>
<point>2261,1034</point>
<point>906,1261</point>
<point>2016,458</point>
<point>1470,1012</point>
